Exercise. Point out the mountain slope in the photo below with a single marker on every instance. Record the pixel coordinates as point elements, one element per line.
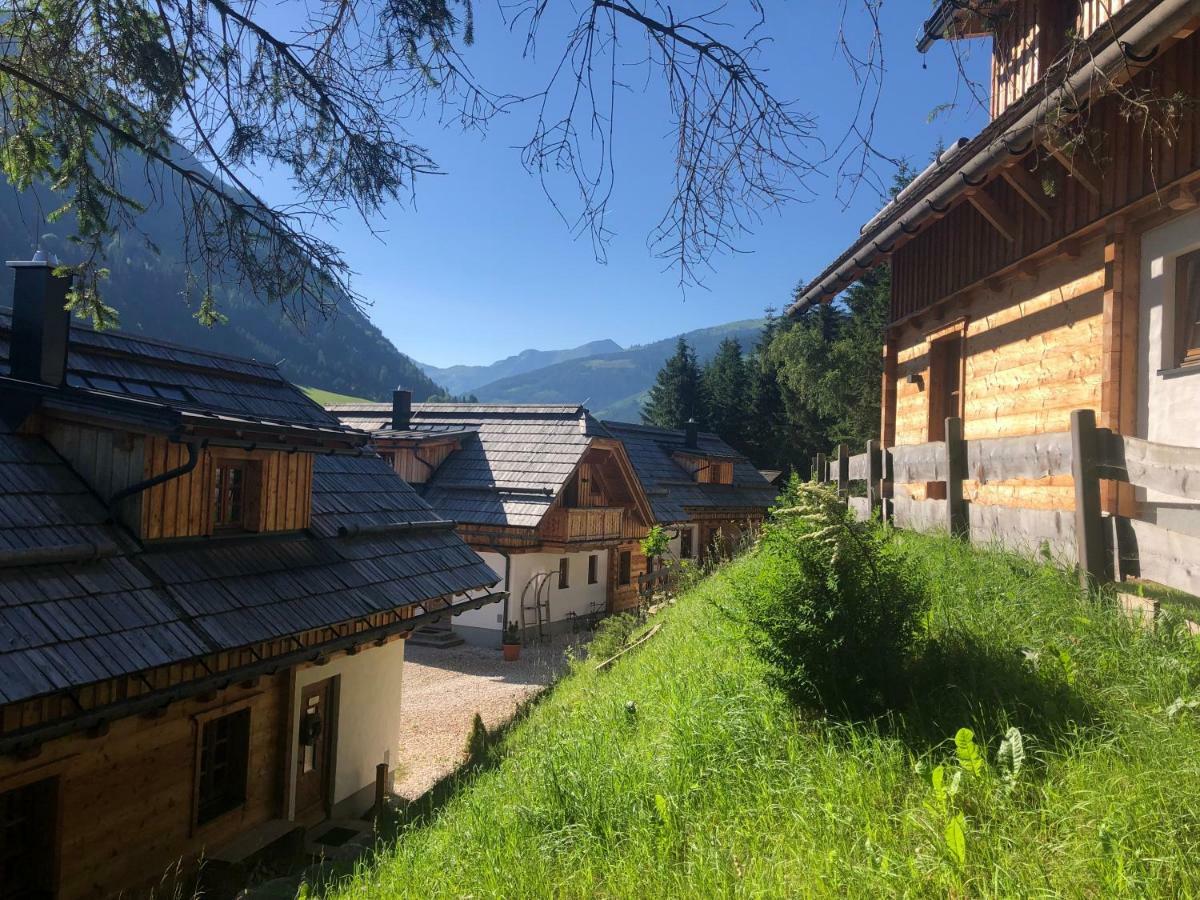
<point>462,379</point>
<point>347,354</point>
<point>612,384</point>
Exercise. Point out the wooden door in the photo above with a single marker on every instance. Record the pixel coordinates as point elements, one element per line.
<point>314,756</point>
<point>945,396</point>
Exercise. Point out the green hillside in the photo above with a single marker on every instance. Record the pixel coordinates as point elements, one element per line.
<point>346,354</point>
<point>612,384</point>
<point>682,772</point>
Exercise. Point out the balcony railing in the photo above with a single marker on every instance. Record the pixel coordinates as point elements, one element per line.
<point>582,525</point>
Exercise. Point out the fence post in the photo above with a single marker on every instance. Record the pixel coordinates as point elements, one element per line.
<point>1089,527</point>
<point>957,516</point>
<point>874,477</point>
<point>822,471</point>
<point>843,472</point>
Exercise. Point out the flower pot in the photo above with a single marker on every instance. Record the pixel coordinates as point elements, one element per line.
<point>512,652</point>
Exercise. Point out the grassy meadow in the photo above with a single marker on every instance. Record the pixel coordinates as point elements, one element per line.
<point>679,772</point>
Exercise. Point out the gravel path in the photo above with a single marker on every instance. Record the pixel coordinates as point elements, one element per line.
<point>443,689</point>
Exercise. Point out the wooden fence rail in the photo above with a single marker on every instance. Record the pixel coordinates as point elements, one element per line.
<point>1103,546</point>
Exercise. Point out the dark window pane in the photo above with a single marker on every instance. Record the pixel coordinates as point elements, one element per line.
<point>27,816</point>
<point>224,752</point>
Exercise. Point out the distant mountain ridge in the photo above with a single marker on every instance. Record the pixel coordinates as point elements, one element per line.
<point>465,379</point>
<point>613,384</point>
<point>347,354</point>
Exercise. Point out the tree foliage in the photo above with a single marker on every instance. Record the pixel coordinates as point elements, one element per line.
<point>675,397</point>
<point>726,390</point>
<point>206,91</point>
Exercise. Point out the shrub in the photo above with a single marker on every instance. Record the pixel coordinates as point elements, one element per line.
<point>834,609</point>
<point>611,635</point>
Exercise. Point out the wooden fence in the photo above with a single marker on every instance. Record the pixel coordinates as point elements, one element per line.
<point>1105,547</point>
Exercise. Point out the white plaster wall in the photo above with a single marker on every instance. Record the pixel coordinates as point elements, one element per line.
<point>368,717</point>
<point>1167,404</point>
<point>580,597</point>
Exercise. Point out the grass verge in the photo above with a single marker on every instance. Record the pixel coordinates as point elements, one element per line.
<point>711,784</point>
<point>324,397</point>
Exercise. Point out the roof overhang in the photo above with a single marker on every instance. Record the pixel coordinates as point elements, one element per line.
<point>954,19</point>
<point>1137,34</point>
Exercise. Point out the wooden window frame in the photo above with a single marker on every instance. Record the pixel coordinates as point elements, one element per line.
<point>1186,352</point>
<point>202,721</point>
<point>593,569</point>
<point>686,540</point>
<point>625,568</point>
<point>46,820</point>
<point>564,573</point>
<point>250,513</point>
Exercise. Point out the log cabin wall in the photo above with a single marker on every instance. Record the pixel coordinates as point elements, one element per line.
<point>416,464</point>
<point>622,597</point>
<point>963,247</point>
<point>1032,35</point>
<point>182,507</point>
<point>107,460</point>
<point>126,800</point>
<point>1031,353</point>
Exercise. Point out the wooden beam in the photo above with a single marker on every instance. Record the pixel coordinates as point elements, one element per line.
<point>1183,198</point>
<point>997,217</point>
<point>1089,533</point>
<point>1068,249</point>
<point>1082,169</point>
<point>1028,188</point>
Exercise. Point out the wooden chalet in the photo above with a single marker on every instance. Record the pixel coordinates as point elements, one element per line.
<point>544,493</point>
<point>1051,262</point>
<point>709,496</point>
<point>204,583</point>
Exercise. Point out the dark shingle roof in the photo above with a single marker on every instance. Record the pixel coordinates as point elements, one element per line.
<point>514,459</point>
<point>119,610</point>
<point>180,378</point>
<point>671,489</point>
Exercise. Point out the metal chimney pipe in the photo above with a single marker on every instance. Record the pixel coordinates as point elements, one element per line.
<point>691,435</point>
<point>401,409</point>
<point>41,323</point>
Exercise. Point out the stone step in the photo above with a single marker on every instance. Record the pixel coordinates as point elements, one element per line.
<point>438,635</point>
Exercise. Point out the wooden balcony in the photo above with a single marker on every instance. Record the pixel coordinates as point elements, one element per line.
<point>584,525</point>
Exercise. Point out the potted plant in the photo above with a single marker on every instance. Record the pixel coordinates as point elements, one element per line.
<point>510,643</point>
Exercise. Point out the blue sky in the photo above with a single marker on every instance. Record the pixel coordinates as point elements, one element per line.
<point>480,266</point>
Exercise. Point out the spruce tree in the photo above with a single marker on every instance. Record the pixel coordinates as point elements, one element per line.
<point>725,385</point>
<point>675,396</point>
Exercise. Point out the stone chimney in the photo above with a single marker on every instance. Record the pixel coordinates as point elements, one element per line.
<point>691,434</point>
<point>41,324</point>
<point>401,409</point>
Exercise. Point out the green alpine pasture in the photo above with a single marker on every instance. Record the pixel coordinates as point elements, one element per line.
<point>1043,746</point>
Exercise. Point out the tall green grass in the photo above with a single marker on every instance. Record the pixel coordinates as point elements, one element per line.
<point>680,773</point>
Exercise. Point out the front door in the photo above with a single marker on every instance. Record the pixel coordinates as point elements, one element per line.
<point>314,758</point>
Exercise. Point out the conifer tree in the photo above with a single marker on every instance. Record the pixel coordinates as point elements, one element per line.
<point>725,386</point>
<point>675,396</point>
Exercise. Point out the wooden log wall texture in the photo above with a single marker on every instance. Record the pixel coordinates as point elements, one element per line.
<point>182,507</point>
<point>963,248</point>
<point>105,459</point>
<point>1025,531</point>
<point>1032,353</point>
<point>622,597</point>
<point>126,799</point>
<point>407,461</point>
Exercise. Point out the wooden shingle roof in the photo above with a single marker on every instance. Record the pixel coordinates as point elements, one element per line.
<point>514,458</point>
<point>105,608</point>
<point>673,494</point>
<point>196,382</point>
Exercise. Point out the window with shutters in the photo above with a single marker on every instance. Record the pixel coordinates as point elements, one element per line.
<point>593,568</point>
<point>223,762</point>
<point>564,573</point>
<point>685,543</point>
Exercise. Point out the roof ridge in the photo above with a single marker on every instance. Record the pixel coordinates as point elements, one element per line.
<point>6,312</point>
